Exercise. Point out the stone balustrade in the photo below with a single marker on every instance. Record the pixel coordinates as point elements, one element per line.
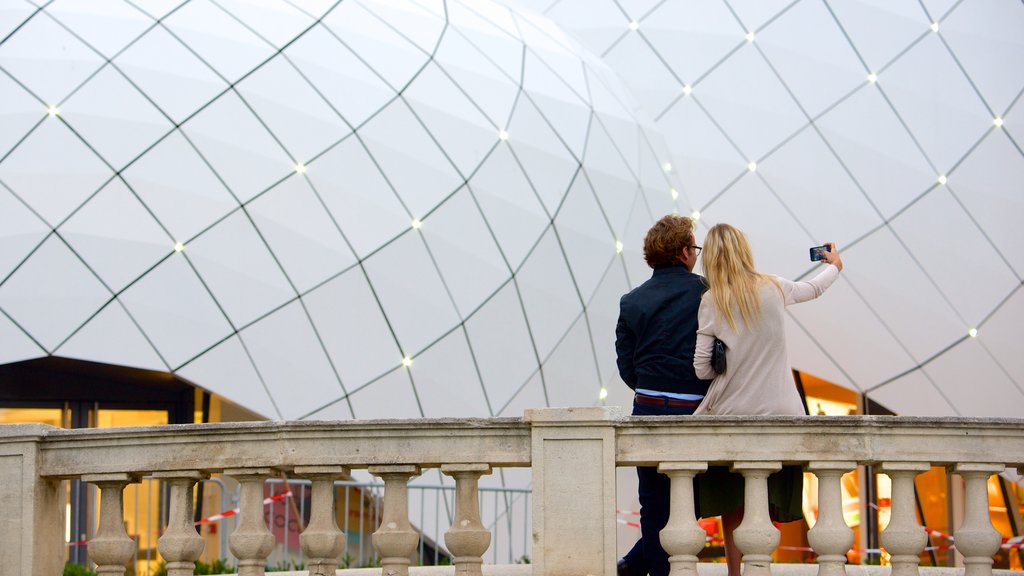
<point>573,454</point>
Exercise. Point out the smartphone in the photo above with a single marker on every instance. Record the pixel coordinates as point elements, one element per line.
<point>818,252</point>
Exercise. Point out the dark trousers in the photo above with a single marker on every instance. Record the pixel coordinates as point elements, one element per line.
<point>647,556</point>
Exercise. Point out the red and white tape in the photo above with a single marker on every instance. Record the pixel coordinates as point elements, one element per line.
<point>233,511</point>
<point>1015,543</point>
<point>216,517</point>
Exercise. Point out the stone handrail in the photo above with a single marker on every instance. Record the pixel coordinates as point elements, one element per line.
<point>573,454</point>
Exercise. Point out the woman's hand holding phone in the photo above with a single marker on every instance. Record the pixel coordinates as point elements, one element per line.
<point>831,256</point>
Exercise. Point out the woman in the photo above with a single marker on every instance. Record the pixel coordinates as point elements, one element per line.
<point>745,309</point>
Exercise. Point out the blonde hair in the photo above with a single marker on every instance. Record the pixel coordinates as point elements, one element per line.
<point>728,265</point>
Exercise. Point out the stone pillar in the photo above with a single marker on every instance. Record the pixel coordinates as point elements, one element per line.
<point>33,507</point>
<point>831,538</point>
<point>111,548</point>
<point>467,539</point>
<point>251,542</point>
<point>682,537</point>
<point>322,541</point>
<point>756,536</point>
<point>573,457</point>
<point>976,539</point>
<point>180,544</point>
<point>904,538</point>
<point>395,539</point>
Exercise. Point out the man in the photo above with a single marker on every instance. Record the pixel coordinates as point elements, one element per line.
<point>654,342</point>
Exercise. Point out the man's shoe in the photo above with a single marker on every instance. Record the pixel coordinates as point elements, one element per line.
<point>623,569</point>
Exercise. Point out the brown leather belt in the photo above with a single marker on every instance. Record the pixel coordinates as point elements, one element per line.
<point>662,401</point>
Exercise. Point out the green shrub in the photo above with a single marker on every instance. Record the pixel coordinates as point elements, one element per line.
<point>218,566</point>
<point>77,570</point>
<point>286,566</point>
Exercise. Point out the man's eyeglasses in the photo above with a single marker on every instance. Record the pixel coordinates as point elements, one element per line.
<point>697,248</point>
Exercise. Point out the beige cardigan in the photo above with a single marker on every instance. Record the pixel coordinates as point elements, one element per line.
<point>758,379</point>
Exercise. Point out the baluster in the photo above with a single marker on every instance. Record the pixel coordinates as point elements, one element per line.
<point>395,539</point>
<point>180,544</point>
<point>904,538</point>
<point>467,539</point>
<point>251,542</point>
<point>111,549</point>
<point>322,540</point>
<point>682,537</point>
<point>831,538</point>
<point>976,539</point>
<point>756,536</point>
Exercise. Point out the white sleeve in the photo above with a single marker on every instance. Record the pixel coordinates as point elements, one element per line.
<point>705,338</point>
<point>797,292</point>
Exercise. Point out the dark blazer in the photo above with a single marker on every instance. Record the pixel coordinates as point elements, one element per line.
<point>657,332</point>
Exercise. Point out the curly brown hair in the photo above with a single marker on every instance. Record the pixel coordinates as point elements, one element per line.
<point>664,242</point>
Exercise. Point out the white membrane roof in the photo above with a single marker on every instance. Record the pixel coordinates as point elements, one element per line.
<point>360,209</point>
<point>411,208</point>
<point>894,129</point>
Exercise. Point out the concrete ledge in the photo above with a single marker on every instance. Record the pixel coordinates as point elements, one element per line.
<point>703,569</point>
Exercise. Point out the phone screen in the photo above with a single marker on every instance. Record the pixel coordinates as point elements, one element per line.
<point>818,252</point>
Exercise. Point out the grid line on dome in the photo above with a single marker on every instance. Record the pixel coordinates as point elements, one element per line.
<point>981,229</point>
<point>22,329</point>
<point>909,131</point>
<point>838,365</point>
<point>34,248</point>
<point>476,368</point>
<point>415,392</point>
<point>967,76</point>
<point>259,373</point>
<point>921,365</point>
<point>42,119</point>
<point>13,31</point>
<point>1002,367</point>
<point>482,52</point>
<point>113,299</point>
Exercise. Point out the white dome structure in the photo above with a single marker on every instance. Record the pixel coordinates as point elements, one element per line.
<point>895,129</point>
<point>321,210</point>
